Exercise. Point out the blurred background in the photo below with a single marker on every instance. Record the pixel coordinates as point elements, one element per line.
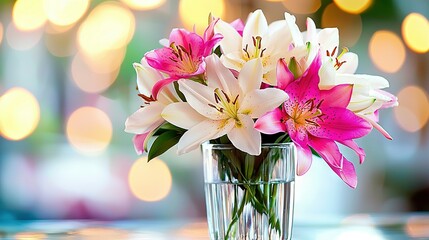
<point>67,85</point>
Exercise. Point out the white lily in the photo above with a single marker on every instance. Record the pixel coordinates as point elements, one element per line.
<point>147,118</point>
<point>228,106</point>
<point>261,41</point>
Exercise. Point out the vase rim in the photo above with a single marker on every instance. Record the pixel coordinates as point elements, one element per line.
<point>230,146</point>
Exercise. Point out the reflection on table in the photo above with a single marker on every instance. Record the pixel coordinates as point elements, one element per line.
<point>361,226</point>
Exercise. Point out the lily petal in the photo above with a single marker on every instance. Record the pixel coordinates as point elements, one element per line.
<point>232,60</point>
<point>245,137</point>
<point>378,127</point>
<point>284,75</point>
<point>138,142</point>
<point>376,82</point>
<point>329,40</point>
<point>218,76</point>
<point>187,40</point>
<point>304,159</point>
<point>279,38</point>
<point>182,115</point>
<point>160,85</point>
<point>200,97</point>
<point>339,124</point>
<point>256,25</point>
<point>204,131</point>
<point>146,77</point>
<point>311,33</point>
<point>250,76</point>
<point>233,42</point>
<point>329,151</point>
<point>338,96</point>
<point>327,74</point>
<point>358,150</point>
<point>145,119</point>
<point>270,123</point>
<point>260,101</point>
<point>294,30</point>
<point>351,63</point>
<point>238,25</point>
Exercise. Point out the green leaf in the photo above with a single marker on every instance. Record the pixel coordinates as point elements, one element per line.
<point>162,143</point>
<point>179,93</point>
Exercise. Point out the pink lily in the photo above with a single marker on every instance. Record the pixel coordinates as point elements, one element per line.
<point>317,119</point>
<point>184,57</point>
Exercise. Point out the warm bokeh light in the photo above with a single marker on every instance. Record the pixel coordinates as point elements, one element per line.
<point>349,25</point>
<point>413,111</point>
<point>302,6</point>
<point>1,32</point>
<point>387,51</point>
<point>20,114</point>
<point>60,45</point>
<point>22,40</point>
<point>417,227</point>
<point>89,130</point>
<point>353,6</point>
<point>150,181</point>
<point>105,62</point>
<point>65,12</point>
<point>89,80</point>
<point>415,32</point>
<point>101,233</point>
<point>28,14</point>
<point>109,26</point>
<point>195,230</point>
<point>30,236</point>
<point>144,4</point>
<point>195,13</point>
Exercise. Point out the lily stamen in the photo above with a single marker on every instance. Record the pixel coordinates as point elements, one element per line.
<point>147,99</point>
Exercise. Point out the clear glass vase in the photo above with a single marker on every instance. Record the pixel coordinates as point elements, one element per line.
<point>249,197</point>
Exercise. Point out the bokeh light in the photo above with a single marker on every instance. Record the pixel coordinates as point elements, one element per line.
<point>109,26</point>
<point>150,181</point>
<point>196,13</point>
<point>101,233</point>
<point>353,6</point>
<point>30,236</point>
<point>89,130</point>
<point>89,80</point>
<point>1,32</point>
<point>302,6</point>
<point>417,227</point>
<point>415,32</point>
<point>20,114</point>
<point>387,51</point>
<point>144,4</point>
<point>22,40</point>
<point>349,25</point>
<point>28,14</point>
<point>104,62</point>
<point>60,45</point>
<point>65,12</point>
<point>413,111</point>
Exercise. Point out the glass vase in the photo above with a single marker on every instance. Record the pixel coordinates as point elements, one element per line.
<point>249,197</point>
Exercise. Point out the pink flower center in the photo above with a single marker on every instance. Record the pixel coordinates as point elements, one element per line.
<point>306,114</point>
<point>183,57</point>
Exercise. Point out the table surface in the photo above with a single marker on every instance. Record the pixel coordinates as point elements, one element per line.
<point>360,226</point>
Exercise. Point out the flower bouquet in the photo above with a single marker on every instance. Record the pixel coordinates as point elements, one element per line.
<point>243,87</point>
